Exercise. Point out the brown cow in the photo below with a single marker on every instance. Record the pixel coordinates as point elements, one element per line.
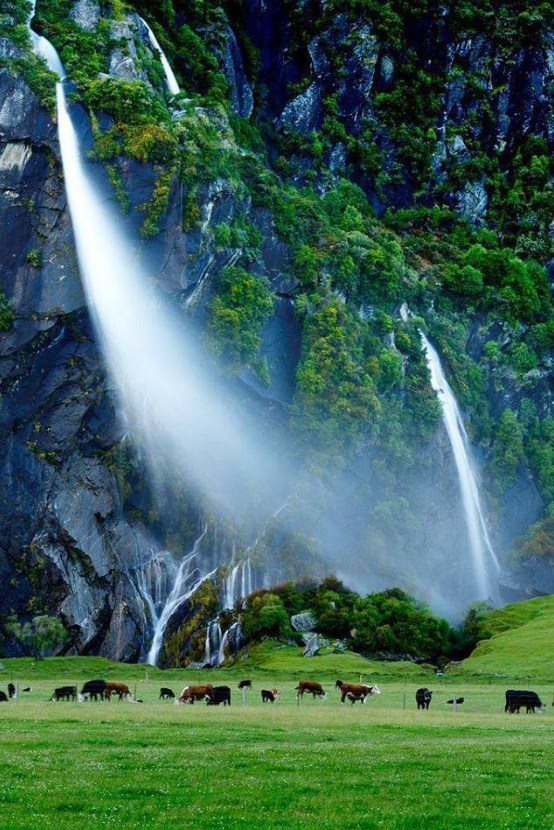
<point>119,689</point>
<point>315,689</point>
<point>359,690</point>
<point>198,692</point>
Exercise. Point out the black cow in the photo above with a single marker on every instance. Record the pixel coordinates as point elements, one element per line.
<point>221,694</point>
<point>423,698</point>
<point>456,700</point>
<point>267,696</point>
<point>94,689</point>
<point>65,693</point>
<point>516,698</point>
<point>27,689</point>
<point>3,697</point>
<point>166,694</point>
<point>11,690</point>
<point>245,684</point>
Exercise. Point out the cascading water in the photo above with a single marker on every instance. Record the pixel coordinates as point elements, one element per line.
<point>213,644</point>
<point>164,586</point>
<point>232,639</point>
<point>170,78</point>
<point>485,562</point>
<point>239,583</point>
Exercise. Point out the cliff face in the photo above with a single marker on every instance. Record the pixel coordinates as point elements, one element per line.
<point>77,520</point>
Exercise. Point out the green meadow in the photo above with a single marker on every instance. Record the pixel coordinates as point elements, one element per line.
<point>321,765</point>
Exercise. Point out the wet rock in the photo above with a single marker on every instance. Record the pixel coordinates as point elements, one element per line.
<point>230,58</point>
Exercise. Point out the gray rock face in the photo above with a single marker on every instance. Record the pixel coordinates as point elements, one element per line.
<point>230,58</point>
<point>304,114</point>
<point>305,621</point>
<point>86,14</point>
<point>472,202</point>
<point>124,62</point>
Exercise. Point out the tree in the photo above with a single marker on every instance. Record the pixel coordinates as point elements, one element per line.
<point>41,634</point>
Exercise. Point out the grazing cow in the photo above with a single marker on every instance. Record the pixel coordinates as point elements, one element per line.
<point>423,698</point>
<point>221,694</point>
<point>27,689</point>
<point>11,690</point>
<point>311,688</point>
<point>456,700</point>
<point>270,695</point>
<point>199,692</point>
<point>166,694</point>
<point>359,690</point>
<point>119,689</point>
<point>94,689</point>
<point>65,693</point>
<point>3,697</point>
<point>245,684</point>
<point>515,699</point>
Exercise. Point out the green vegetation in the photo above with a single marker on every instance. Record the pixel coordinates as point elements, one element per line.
<point>39,635</point>
<point>519,641</point>
<point>242,305</point>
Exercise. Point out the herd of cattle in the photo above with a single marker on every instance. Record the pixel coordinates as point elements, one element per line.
<point>215,695</point>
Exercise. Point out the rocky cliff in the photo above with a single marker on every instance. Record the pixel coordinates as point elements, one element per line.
<point>349,161</point>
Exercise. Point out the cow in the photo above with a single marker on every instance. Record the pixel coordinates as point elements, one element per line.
<point>311,688</point>
<point>11,690</point>
<point>119,689</point>
<point>423,698</point>
<point>3,697</point>
<point>27,689</point>
<point>65,693</point>
<point>515,699</point>
<point>94,689</point>
<point>270,695</point>
<point>456,700</point>
<point>221,694</point>
<point>198,692</point>
<point>166,694</point>
<point>245,684</point>
<point>359,690</point>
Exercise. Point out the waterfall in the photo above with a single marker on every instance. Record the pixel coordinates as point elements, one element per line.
<point>164,586</point>
<point>482,552</point>
<point>213,644</point>
<point>238,583</point>
<point>233,638</point>
<point>170,78</point>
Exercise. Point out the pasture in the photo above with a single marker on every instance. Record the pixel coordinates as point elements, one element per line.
<point>159,765</point>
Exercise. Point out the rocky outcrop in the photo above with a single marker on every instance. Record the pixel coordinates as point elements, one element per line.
<point>230,58</point>
<point>86,14</point>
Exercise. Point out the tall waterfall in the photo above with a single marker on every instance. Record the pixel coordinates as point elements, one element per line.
<point>485,562</point>
<point>170,78</point>
<point>181,420</point>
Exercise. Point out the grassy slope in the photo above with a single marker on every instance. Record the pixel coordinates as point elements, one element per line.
<point>521,645</point>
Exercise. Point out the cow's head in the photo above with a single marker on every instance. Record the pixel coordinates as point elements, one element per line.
<point>375,690</point>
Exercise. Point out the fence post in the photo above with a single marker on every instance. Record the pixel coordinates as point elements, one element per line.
<point>404,701</point>
<point>243,696</point>
<point>16,690</point>
<point>455,704</point>
<point>135,692</point>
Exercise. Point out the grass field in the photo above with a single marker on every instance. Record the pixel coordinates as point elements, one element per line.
<point>321,765</point>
